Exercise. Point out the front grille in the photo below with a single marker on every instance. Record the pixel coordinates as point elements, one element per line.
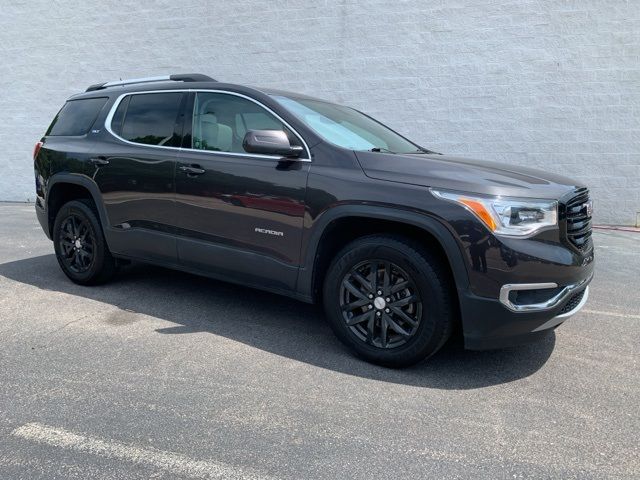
<point>572,303</point>
<point>578,220</point>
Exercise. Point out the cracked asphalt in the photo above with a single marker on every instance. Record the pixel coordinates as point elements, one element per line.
<point>160,374</point>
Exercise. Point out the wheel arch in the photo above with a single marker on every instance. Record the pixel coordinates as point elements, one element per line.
<point>321,247</point>
<point>64,187</point>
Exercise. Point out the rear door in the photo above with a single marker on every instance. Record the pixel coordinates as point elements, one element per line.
<point>240,214</point>
<point>135,164</point>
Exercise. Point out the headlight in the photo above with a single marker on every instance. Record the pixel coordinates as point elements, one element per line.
<point>516,217</point>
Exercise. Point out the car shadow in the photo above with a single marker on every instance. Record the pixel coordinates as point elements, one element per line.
<point>275,324</point>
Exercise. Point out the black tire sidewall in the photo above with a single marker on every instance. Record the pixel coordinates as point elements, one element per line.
<point>435,324</point>
<point>101,253</point>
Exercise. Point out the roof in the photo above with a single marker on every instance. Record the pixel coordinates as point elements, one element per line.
<point>190,81</point>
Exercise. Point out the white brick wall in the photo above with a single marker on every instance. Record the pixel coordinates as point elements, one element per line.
<point>550,84</point>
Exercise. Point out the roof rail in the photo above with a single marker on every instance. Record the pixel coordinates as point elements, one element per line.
<point>181,77</point>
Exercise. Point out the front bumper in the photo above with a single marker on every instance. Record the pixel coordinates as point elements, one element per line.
<point>490,323</point>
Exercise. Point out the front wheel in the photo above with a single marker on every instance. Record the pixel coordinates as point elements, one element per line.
<point>389,300</point>
<point>79,243</point>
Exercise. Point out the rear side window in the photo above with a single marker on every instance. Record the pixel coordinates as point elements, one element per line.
<point>76,116</point>
<point>148,118</point>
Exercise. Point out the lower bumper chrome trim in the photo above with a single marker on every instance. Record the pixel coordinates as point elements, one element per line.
<point>555,321</point>
<point>542,306</point>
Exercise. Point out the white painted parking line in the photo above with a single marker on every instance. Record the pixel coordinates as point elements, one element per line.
<point>168,461</point>
<point>611,314</point>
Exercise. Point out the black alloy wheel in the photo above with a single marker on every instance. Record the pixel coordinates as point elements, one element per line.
<point>380,303</point>
<point>77,243</point>
<point>81,249</point>
<point>390,299</point>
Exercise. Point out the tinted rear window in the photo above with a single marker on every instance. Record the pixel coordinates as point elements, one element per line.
<point>76,116</point>
<point>149,118</point>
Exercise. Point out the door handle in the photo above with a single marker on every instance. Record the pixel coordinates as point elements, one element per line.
<point>99,161</point>
<point>192,169</point>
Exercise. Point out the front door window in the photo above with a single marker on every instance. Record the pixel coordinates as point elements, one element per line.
<point>220,122</point>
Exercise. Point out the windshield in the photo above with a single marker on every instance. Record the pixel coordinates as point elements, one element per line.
<point>346,127</point>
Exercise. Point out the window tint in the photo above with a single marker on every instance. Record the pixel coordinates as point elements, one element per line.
<point>76,116</point>
<point>220,122</point>
<point>149,118</point>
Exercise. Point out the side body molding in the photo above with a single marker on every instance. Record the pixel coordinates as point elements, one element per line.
<point>437,229</point>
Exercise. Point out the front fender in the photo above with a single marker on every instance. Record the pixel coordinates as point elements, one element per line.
<point>429,224</point>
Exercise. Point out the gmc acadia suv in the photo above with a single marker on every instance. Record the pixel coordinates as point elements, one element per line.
<point>317,201</point>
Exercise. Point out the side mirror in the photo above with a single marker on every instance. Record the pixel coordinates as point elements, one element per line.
<point>270,142</point>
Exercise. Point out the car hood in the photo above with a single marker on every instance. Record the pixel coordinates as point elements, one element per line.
<point>467,175</point>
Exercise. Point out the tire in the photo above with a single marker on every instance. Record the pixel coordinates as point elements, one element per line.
<point>88,262</point>
<point>415,311</point>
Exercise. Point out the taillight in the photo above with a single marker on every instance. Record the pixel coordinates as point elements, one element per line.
<point>36,149</point>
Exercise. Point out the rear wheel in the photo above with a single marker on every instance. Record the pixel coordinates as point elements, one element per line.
<point>389,300</point>
<point>79,243</point>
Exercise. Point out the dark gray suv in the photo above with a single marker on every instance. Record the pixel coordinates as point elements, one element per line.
<point>317,201</point>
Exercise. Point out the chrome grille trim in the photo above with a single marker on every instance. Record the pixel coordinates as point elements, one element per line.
<point>578,220</point>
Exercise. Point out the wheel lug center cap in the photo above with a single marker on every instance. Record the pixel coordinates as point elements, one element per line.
<point>78,243</point>
<point>379,303</point>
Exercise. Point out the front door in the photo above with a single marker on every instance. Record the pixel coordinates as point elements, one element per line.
<point>135,168</point>
<point>239,215</point>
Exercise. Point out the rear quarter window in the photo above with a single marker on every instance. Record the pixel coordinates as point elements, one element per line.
<point>76,117</point>
<point>149,118</point>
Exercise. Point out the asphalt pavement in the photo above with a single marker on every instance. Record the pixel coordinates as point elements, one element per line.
<point>166,375</point>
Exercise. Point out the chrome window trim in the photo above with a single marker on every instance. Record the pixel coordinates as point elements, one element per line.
<point>542,306</point>
<point>116,104</point>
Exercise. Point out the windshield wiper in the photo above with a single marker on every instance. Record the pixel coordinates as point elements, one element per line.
<point>426,151</point>
<point>419,150</point>
<point>381,149</point>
